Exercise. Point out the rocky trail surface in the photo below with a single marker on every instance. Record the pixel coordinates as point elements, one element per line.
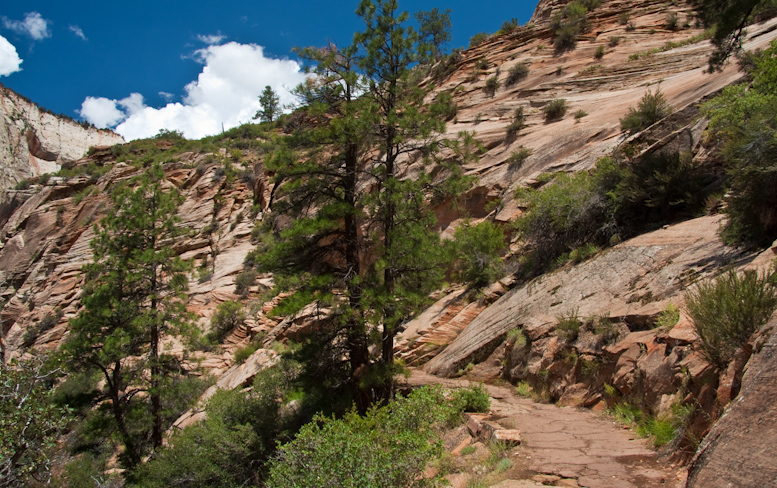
<point>567,446</point>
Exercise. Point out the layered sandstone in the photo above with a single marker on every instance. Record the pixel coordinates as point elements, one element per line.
<point>45,231</point>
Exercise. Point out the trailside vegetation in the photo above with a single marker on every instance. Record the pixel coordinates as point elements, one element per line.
<point>744,119</point>
<point>30,422</point>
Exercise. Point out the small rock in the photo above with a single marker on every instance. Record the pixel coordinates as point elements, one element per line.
<point>545,479</point>
<point>510,437</point>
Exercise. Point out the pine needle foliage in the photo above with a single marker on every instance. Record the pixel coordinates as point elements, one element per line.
<point>133,298</point>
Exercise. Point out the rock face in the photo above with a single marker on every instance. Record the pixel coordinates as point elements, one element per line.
<point>739,450</point>
<point>33,141</point>
<point>513,328</point>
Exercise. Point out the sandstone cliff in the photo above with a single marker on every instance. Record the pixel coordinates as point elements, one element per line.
<point>33,141</point>
<point>45,232</point>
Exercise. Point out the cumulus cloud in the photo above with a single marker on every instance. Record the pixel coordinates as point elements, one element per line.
<point>167,96</point>
<point>33,25</point>
<point>77,31</point>
<point>9,59</point>
<point>101,111</point>
<point>211,38</point>
<point>225,92</point>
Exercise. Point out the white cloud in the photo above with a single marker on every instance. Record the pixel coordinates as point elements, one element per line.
<point>101,111</point>
<point>77,31</point>
<point>167,96</point>
<point>225,92</point>
<point>9,59</point>
<point>33,25</point>
<point>211,38</point>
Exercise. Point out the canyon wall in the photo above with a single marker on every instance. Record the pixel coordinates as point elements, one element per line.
<point>34,141</point>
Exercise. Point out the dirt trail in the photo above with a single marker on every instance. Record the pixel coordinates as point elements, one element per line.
<point>574,444</point>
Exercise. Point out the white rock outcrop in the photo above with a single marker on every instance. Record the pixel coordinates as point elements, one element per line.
<point>33,141</point>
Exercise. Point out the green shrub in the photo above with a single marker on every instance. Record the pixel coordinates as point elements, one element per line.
<point>516,74</point>
<point>565,38</point>
<point>478,247</point>
<point>230,447</point>
<point>518,156</point>
<point>492,85</point>
<point>569,23</point>
<point>564,214</point>
<point>481,63</point>
<point>245,281</point>
<point>401,439</point>
<point>517,337</point>
<point>623,18</point>
<point>447,66</point>
<point>243,353</point>
<point>468,450</point>
<point>555,109</point>
<point>518,123</point>
<point>618,198</point>
<point>744,120</point>
<point>599,53</point>
<point>614,41</point>
<point>660,188</point>
<point>23,184</point>
<point>568,326</point>
<point>583,253</point>
<point>660,430</point>
<point>672,21</point>
<point>78,197</point>
<point>228,316</point>
<point>580,114</point>
<point>474,399</point>
<point>509,26</point>
<point>524,389</point>
<point>728,310</point>
<point>478,39</point>
<point>668,318</point>
<point>651,108</point>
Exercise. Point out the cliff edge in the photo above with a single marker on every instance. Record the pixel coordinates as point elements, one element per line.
<point>34,141</point>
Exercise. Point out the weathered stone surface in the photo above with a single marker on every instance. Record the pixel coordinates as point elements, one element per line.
<point>33,142</point>
<point>739,450</point>
<point>658,264</point>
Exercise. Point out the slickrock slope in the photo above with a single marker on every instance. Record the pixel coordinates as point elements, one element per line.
<point>631,282</point>
<point>604,89</point>
<point>33,142</point>
<point>739,451</point>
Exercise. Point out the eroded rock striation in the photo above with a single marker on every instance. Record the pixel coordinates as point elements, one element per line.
<point>511,330</point>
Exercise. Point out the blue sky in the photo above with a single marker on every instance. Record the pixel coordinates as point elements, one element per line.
<point>139,66</point>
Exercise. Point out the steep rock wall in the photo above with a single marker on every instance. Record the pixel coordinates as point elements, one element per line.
<point>33,142</point>
<point>739,450</point>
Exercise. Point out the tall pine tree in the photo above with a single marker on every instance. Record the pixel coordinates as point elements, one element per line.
<point>132,299</point>
<point>363,241</point>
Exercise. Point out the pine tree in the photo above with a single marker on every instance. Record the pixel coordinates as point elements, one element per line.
<point>320,165</point>
<point>133,299</point>
<point>363,242</point>
<point>270,103</point>
<point>399,127</point>
<point>729,20</point>
<point>434,29</point>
